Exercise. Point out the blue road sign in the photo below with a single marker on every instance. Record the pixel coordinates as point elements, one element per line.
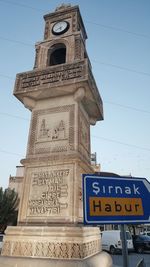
<point>119,200</point>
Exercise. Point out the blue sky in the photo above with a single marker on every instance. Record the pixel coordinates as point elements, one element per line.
<point>118,47</point>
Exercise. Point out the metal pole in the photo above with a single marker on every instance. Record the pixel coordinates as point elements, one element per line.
<point>124,246</point>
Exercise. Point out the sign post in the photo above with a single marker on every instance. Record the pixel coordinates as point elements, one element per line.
<point>124,246</point>
<point>116,200</point>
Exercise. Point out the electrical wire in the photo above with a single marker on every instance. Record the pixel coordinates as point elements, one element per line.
<point>22,5</point>
<point>15,41</point>
<point>10,153</point>
<point>93,136</point>
<point>102,63</point>
<point>13,116</point>
<point>110,65</point>
<point>7,77</point>
<point>120,143</point>
<point>127,107</point>
<point>93,60</point>
<point>119,29</point>
<point>110,27</point>
<point>121,67</point>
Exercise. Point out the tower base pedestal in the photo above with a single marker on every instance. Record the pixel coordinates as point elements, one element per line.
<point>55,246</point>
<point>100,260</point>
<point>54,242</point>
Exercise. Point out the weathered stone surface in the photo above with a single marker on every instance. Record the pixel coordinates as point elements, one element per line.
<point>60,80</point>
<point>100,260</point>
<point>51,242</point>
<point>64,100</point>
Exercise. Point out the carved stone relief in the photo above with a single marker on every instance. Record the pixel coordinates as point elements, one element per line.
<point>74,22</point>
<point>78,48</point>
<point>84,136</point>
<point>46,30</point>
<point>49,192</point>
<point>36,57</point>
<point>58,250</point>
<point>36,79</point>
<point>52,131</point>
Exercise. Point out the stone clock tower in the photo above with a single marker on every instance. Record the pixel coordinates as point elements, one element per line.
<point>64,101</point>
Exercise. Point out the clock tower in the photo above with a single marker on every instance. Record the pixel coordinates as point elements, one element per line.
<point>64,101</point>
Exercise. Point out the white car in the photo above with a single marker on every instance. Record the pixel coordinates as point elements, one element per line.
<point>111,241</point>
<point>1,241</point>
<point>145,233</point>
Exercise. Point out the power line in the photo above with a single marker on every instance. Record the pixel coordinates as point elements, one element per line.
<point>8,152</point>
<point>6,76</point>
<point>15,41</point>
<point>107,102</point>
<point>121,67</point>
<point>22,5</point>
<point>13,116</point>
<point>127,107</point>
<point>121,143</point>
<point>96,61</point>
<point>97,137</point>
<point>90,22</point>
<point>119,29</point>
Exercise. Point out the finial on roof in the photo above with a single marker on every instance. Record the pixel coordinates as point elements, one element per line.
<point>62,7</point>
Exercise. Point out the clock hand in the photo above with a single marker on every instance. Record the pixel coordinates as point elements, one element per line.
<point>59,28</point>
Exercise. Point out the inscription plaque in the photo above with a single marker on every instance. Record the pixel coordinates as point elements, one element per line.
<point>49,193</point>
<point>36,78</point>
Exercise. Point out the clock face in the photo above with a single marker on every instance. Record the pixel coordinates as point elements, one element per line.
<point>60,27</point>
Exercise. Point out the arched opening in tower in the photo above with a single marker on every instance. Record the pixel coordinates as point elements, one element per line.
<point>57,55</point>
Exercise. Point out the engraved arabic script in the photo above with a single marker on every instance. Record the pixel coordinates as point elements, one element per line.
<point>32,79</point>
<point>49,193</point>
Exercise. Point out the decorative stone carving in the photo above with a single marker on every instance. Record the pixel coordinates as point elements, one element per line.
<point>36,56</point>
<point>63,7</point>
<point>46,30</point>
<point>62,99</point>
<point>49,192</point>
<point>78,48</point>
<point>37,78</point>
<point>84,136</point>
<point>48,196</point>
<point>74,22</point>
<point>52,131</point>
<point>77,243</point>
<point>53,250</point>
